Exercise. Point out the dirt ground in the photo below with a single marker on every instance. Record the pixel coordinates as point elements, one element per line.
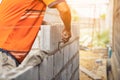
<point>94,62</point>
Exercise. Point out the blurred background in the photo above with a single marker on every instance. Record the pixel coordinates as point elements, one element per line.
<point>95,18</point>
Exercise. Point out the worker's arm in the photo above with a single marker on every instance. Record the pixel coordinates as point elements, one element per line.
<point>65,15</point>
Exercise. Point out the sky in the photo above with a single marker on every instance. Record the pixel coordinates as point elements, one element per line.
<point>89,8</point>
<point>87,1</point>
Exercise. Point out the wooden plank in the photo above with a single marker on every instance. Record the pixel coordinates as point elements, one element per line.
<point>89,73</point>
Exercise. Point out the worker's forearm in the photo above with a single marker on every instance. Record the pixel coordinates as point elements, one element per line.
<point>66,18</point>
<point>65,15</point>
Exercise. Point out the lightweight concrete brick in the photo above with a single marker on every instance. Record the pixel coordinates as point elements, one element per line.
<point>58,62</point>
<point>69,71</point>
<point>55,36</point>
<point>36,44</point>
<point>58,78</point>
<point>118,73</point>
<point>75,31</point>
<point>66,54</point>
<point>31,74</point>
<point>64,75</point>
<point>51,35</point>
<point>76,75</point>
<point>77,59</point>
<point>43,70</point>
<point>72,49</point>
<point>75,49</point>
<point>76,45</point>
<point>49,68</point>
<point>55,16</point>
<point>33,51</point>
<point>74,63</point>
<point>45,35</point>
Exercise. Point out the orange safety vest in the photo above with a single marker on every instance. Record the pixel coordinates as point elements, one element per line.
<point>20,22</point>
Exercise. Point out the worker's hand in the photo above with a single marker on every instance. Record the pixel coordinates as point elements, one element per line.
<point>66,34</point>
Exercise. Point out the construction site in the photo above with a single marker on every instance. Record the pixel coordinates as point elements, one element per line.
<point>93,52</point>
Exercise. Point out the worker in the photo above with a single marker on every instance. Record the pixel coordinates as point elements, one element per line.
<point>20,22</point>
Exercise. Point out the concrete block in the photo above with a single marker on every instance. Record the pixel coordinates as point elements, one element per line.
<point>33,51</point>
<point>45,39</point>
<point>43,70</point>
<point>58,62</point>
<point>74,63</point>
<point>50,36</point>
<point>72,50</point>
<point>46,69</point>
<point>49,68</point>
<point>39,32</point>
<point>77,59</point>
<point>70,54</point>
<point>118,74</point>
<point>76,76</point>
<point>78,45</point>
<point>36,44</point>
<point>75,44</point>
<point>31,74</point>
<point>55,36</point>
<point>66,54</point>
<point>64,75</point>
<point>52,14</point>
<point>75,30</point>
<point>69,71</point>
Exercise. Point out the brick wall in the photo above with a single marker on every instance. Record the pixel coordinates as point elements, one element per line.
<point>60,64</point>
